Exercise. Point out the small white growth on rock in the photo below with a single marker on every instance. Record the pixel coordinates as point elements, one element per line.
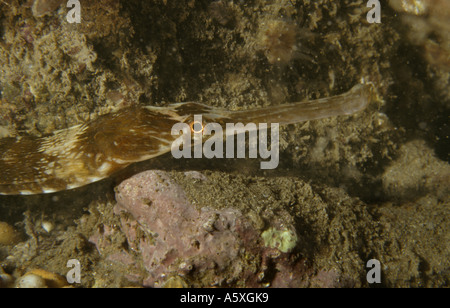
<point>47,226</point>
<point>31,281</point>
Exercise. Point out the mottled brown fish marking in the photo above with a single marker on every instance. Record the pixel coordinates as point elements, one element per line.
<point>87,153</point>
<point>82,154</point>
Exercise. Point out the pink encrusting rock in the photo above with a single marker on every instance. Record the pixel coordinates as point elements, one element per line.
<point>182,239</point>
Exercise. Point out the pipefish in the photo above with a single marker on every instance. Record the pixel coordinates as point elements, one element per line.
<point>92,151</point>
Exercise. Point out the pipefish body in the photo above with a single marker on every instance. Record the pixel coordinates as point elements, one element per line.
<point>92,151</point>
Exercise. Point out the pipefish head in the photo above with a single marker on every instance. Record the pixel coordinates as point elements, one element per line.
<point>348,103</point>
<point>209,114</point>
<point>198,116</point>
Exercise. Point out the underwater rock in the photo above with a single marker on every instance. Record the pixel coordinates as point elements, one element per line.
<point>45,7</point>
<point>6,280</point>
<point>205,246</point>
<point>416,172</point>
<point>182,238</point>
<point>160,239</point>
<point>8,235</point>
<point>39,278</point>
<point>31,281</point>
<point>429,27</point>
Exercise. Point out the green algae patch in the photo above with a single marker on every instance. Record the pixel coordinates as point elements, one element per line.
<point>283,240</point>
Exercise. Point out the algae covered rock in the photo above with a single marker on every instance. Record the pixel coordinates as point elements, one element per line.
<point>285,240</point>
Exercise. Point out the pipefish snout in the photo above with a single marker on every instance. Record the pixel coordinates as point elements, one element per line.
<point>92,151</point>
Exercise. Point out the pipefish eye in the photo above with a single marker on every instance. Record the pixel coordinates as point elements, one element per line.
<point>196,127</point>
